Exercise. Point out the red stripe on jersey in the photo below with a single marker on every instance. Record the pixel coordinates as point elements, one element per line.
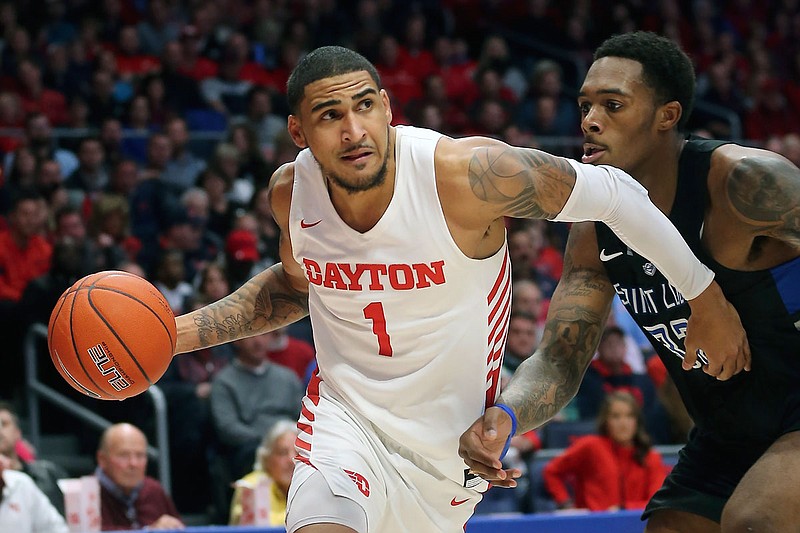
<point>305,428</point>
<point>499,309</point>
<point>312,392</point>
<point>303,445</point>
<point>308,415</point>
<point>500,277</point>
<point>304,460</point>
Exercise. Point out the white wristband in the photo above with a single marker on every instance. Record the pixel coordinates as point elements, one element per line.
<point>609,195</point>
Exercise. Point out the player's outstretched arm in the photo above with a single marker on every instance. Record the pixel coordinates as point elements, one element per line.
<point>544,383</point>
<point>271,299</point>
<point>529,183</point>
<point>265,302</point>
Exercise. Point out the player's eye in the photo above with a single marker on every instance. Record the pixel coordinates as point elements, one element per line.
<point>365,104</point>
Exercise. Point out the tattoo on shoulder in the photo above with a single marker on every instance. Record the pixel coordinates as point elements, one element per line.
<point>527,183</point>
<point>765,192</point>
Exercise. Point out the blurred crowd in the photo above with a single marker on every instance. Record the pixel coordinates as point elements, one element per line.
<point>141,135</point>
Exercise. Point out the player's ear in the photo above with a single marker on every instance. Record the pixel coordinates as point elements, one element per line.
<point>387,105</point>
<point>296,132</point>
<point>669,114</point>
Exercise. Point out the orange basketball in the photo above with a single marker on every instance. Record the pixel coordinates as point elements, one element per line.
<point>111,335</point>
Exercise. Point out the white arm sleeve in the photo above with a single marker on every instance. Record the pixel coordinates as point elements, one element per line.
<point>611,196</point>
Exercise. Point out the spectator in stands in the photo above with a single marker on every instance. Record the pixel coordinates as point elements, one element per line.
<point>227,160</point>
<point>265,226</point>
<point>192,64</point>
<point>261,117</point>
<point>522,249</point>
<point>609,372</point>
<point>124,178</point>
<point>36,98</point>
<point>24,252</point>
<point>44,473</point>
<point>274,462</point>
<point>131,60</point>
<point>11,116</point>
<point>523,338</point>
<point>111,137</point>
<point>616,469</point>
<point>23,174</point>
<point>158,28</point>
<point>221,212</point>
<point>285,350</point>
<point>247,398</point>
<point>527,298</point>
<point>38,137</point>
<point>42,293</point>
<point>91,177</point>
<point>104,103</point>
<point>225,92</point>
<point>187,387</point>
<point>98,250</point>
<point>129,499</point>
<point>24,508</point>
<point>252,166</point>
<point>170,280</point>
<point>546,80</point>
<point>110,229</point>
<point>184,166</point>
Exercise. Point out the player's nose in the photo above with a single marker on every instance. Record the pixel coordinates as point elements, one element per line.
<point>352,128</point>
<point>591,123</point>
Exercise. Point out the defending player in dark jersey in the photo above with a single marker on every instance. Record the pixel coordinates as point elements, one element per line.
<point>739,210</point>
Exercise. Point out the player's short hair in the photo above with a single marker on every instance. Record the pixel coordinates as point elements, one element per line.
<point>325,62</point>
<point>665,67</point>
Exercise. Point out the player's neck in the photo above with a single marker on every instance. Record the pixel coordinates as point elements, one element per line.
<point>659,174</point>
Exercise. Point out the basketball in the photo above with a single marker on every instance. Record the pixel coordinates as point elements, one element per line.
<point>111,335</point>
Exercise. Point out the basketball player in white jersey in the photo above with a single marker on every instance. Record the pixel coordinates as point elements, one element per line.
<point>393,240</point>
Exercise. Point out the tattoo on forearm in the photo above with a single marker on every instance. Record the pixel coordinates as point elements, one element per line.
<point>527,183</point>
<point>765,192</point>
<point>549,379</point>
<point>262,304</point>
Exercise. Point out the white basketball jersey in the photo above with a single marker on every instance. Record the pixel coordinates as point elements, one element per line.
<point>409,332</point>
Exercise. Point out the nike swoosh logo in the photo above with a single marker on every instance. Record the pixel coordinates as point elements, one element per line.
<point>609,257</point>
<point>455,502</point>
<point>306,225</point>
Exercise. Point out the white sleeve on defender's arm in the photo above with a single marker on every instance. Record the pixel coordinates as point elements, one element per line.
<point>611,196</point>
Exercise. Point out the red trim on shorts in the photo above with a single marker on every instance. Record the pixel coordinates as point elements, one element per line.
<point>306,428</point>
<point>306,413</point>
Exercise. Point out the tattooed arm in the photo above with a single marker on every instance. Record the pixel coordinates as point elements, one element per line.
<point>763,191</point>
<point>271,299</point>
<point>545,382</point>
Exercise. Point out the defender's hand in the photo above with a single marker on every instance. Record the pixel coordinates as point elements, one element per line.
<point>481,445</point>
<point>715,335</point>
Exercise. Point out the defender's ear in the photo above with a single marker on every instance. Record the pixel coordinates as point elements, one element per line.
<point>669,114</point>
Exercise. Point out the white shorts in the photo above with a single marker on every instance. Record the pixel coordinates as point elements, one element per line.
<point>381,476</point>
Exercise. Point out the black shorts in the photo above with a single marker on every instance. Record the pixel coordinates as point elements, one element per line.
<point>706,474</point>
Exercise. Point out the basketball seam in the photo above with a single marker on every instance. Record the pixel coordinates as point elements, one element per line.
<point>122,343</point>
<point>78,355</point>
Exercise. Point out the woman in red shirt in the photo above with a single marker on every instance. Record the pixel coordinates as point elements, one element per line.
<point>617,469</point>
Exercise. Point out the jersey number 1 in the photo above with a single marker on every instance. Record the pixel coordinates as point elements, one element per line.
<point>374,312</point>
